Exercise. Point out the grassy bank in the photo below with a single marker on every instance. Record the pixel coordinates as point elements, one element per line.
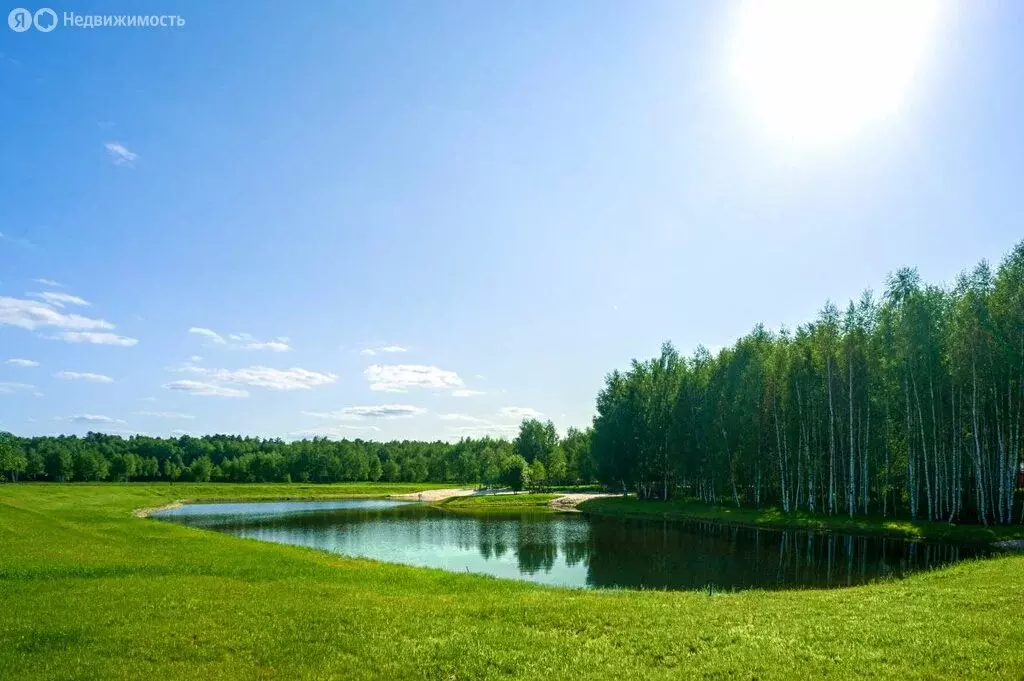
<point>89,591</point>
<point>772,517</point>
<point>490,503</point>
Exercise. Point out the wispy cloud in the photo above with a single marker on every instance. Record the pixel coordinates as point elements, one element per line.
<point>83,376</point>
<point>92,419</point>
<point>18,241</point>
<point>37,314</point>
<point>120,155</point>
<point>466,392</point>
<point>205,389</point>
<point>462,417</point>
<point>34,314</point>
<point>382,347</point>
<point>265,377</point>
<point>337,432</point>
<point>214,337</point>
<point>242,341</point>
<point>96,338</point>
<point>519,413</point>
<point>11,387</point>
<point>58,299</point>
<point>166,414</point>
<point>49,282</point>
<point>246,342</point>
<point>26,363</point>
<point>483,430</point>
<point>377,411</point>
<point>399,378</point>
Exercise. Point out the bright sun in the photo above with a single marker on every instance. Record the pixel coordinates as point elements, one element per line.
<point>818,71</point>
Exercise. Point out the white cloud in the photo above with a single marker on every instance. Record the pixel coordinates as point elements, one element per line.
<point>166,414</point>
<point>484,430</point>
<point>179,432</point>
<point>276,345</point>
<point>462,417</point>
<point>61,299</point>
<point>377,411</point>
<point>27,363</point>
<point>91,419</point>
<point>119,154</point>
<point>205,389</point>
<point>195,358</point>
<point>465,392</point>
<point>209,333</point>
<point>36,314</point>
<point>371,351</point>
<point>83,376</point>
<point>33,314</point>
<point>10,387</point>
<point>520,413</point>
<point>93,337</point>
<point>49,282</point>
<point>399,378</point>
<point>243,341</point>
<point>338,432</point>
<point>266,377</point>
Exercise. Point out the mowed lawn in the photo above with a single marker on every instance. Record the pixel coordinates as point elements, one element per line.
<point>88,591</point>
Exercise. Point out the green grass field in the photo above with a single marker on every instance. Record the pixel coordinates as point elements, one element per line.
<point>88,591</point>
<point>490,503</point>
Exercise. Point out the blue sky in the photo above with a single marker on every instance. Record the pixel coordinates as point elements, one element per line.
<point>502,201</point>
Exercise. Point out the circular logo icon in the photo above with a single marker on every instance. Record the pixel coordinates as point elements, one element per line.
<point>45,20</point>
<point>20,19</point>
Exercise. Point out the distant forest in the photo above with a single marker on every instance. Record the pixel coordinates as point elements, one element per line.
<point>909,404</point>
<point>537,456</point>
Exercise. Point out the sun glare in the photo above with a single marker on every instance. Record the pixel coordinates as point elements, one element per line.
<point>816,72</point>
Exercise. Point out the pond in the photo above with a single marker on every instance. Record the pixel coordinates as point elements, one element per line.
<point>576,550</point>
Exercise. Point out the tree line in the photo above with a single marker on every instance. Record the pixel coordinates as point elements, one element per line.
<point>537,457</point>
<point>910,404</point>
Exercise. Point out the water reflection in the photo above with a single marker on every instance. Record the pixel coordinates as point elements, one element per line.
<point>577,550</point>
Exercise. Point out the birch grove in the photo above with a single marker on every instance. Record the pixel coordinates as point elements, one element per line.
<point>909,405</point>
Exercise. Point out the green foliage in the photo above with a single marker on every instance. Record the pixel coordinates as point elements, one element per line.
<point>516,473</point>
<point>12,461</point>
<point>538,474</point>
<point>99,457</point>
<point>536,440</point>
<point>911,406</point>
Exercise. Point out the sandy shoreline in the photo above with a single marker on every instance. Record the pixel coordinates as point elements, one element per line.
<point>146,512</point>
<point>566,502</point>
<point>435,494</point>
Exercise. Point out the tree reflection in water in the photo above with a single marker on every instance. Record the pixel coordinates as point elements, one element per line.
<point>577,550</point>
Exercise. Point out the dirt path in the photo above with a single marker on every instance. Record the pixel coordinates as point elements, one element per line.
<point>435,494</point>
<point>569,502</point>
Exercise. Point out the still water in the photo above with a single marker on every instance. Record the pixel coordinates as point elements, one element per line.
<point>575,550</point>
